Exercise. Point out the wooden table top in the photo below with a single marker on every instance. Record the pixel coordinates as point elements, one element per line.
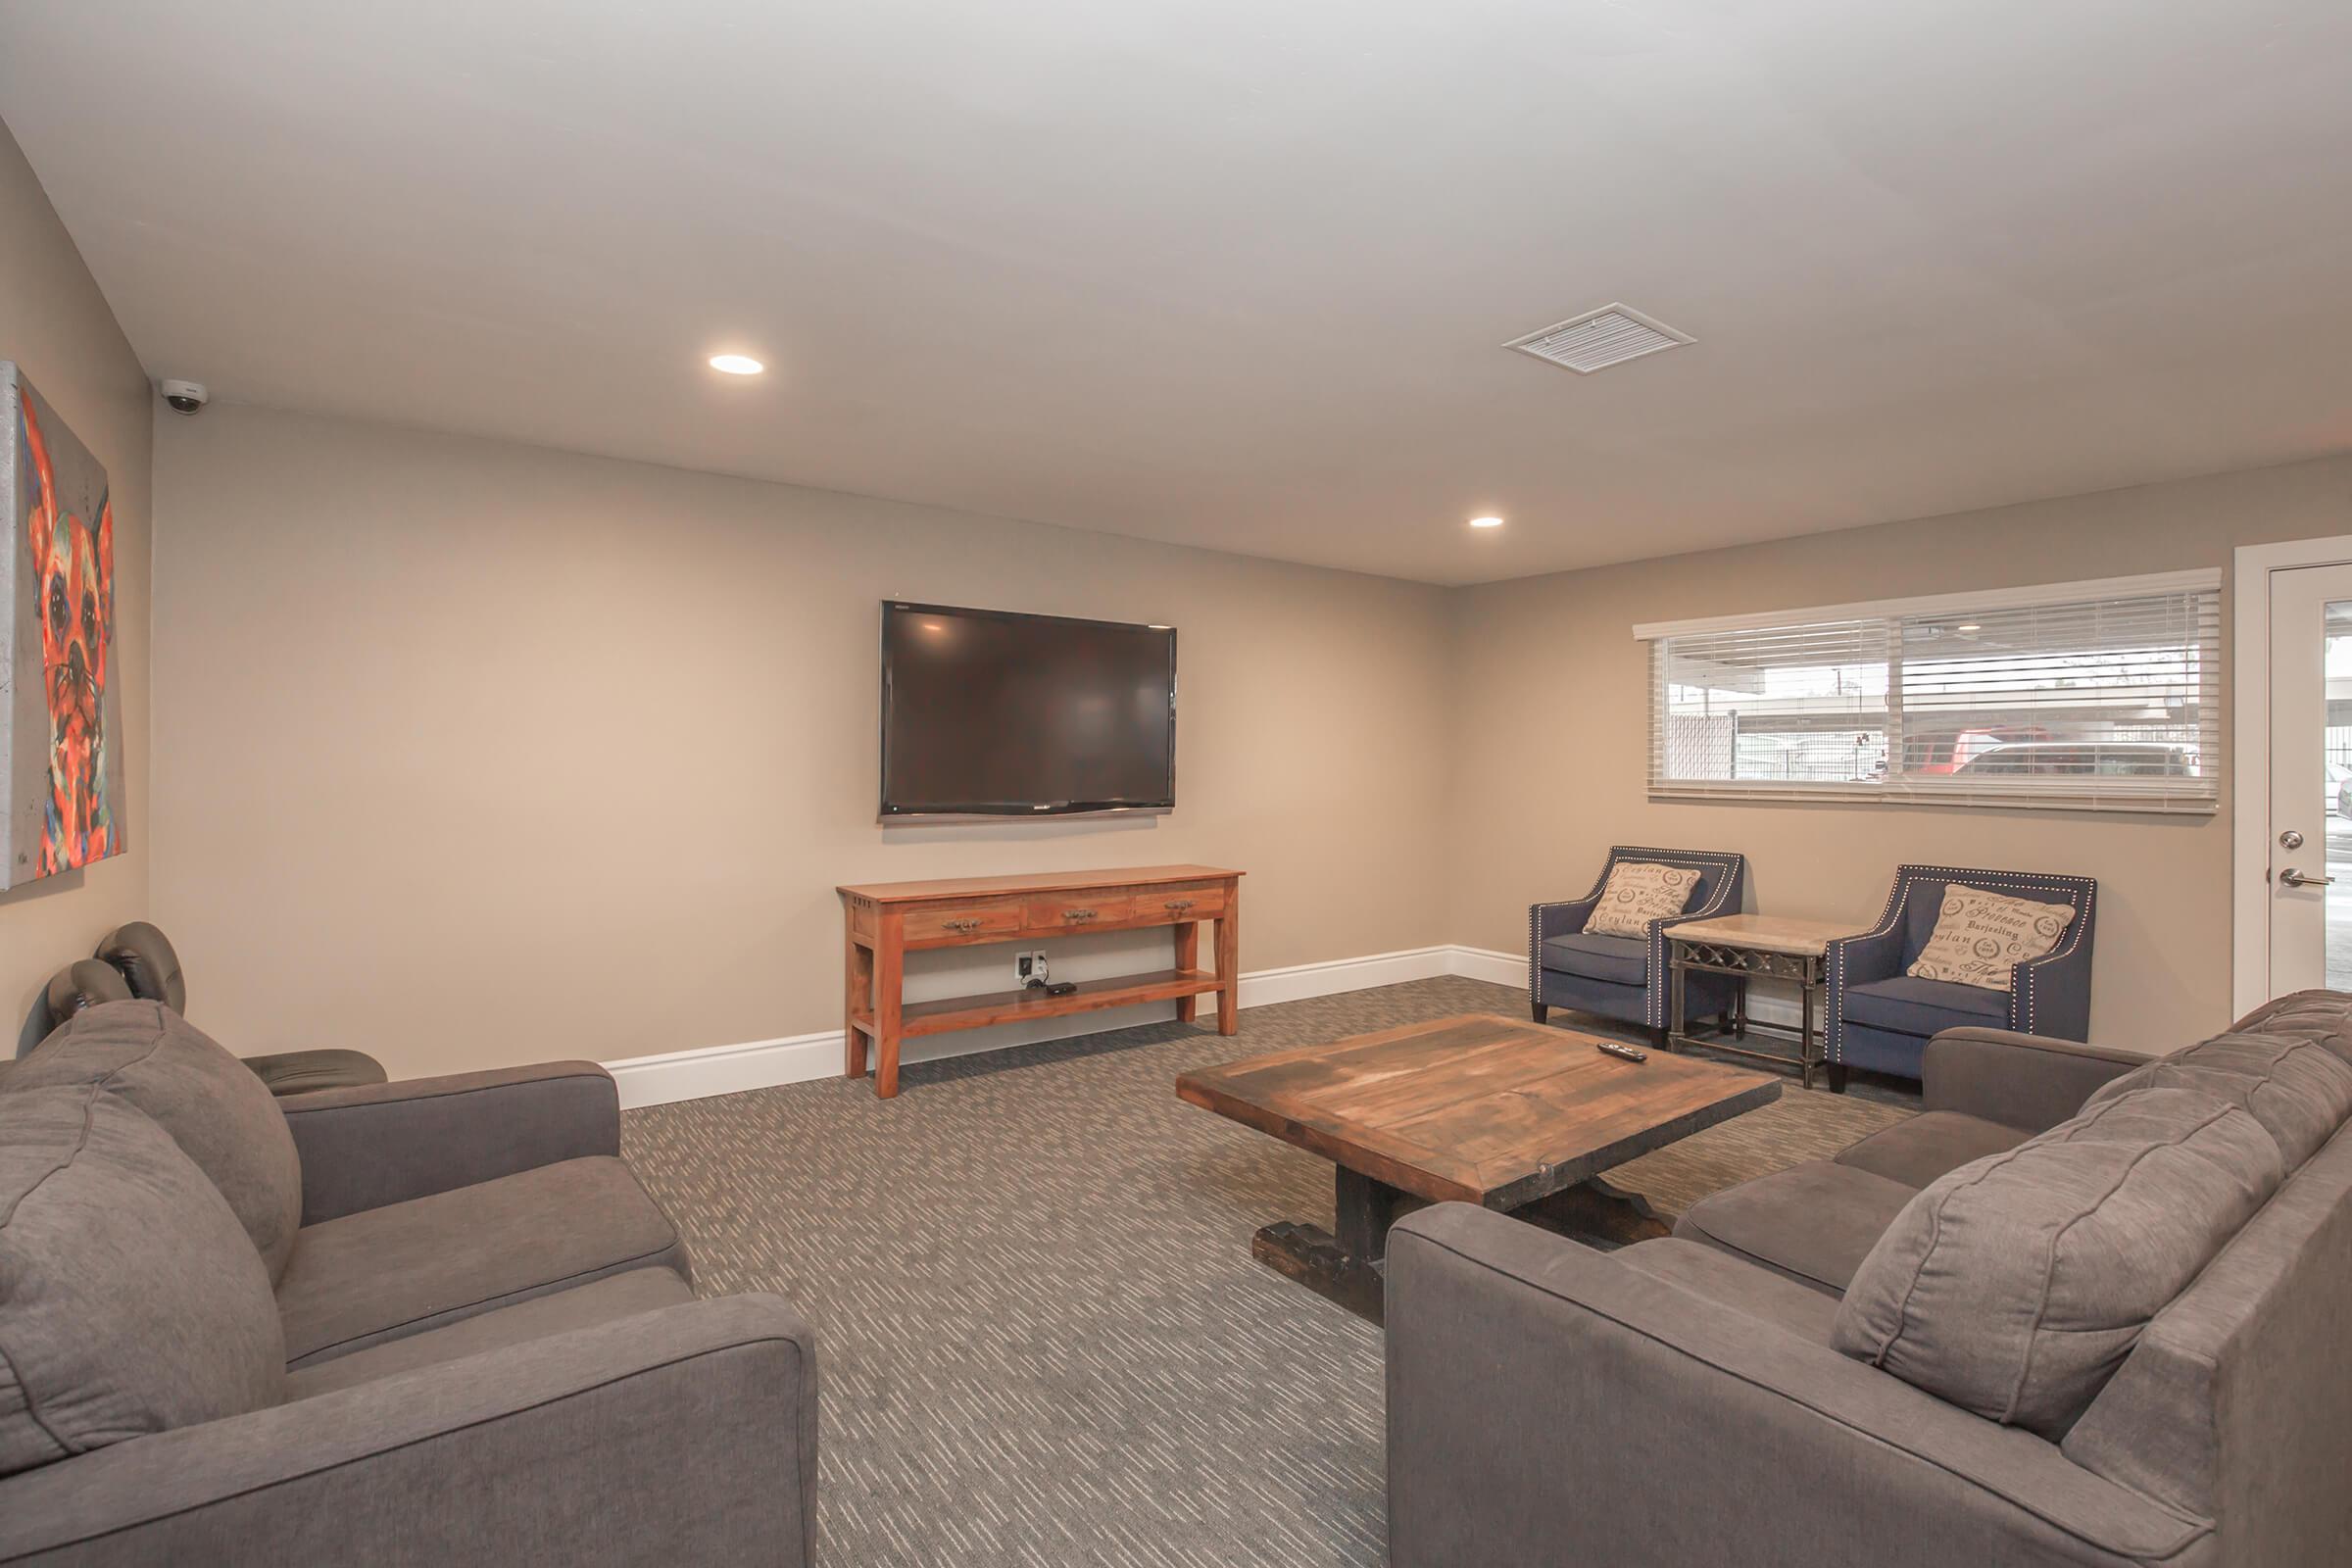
<point>1766,933</point>
<point>965,887</point>
<point>1480,1108</point>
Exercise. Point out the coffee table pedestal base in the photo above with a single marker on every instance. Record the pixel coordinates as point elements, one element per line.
<point>1309,1256</point>
<point>1351,1268</point>
<point>1598,1207</point>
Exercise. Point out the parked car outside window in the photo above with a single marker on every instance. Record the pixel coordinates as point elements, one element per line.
<point>2068,758</point>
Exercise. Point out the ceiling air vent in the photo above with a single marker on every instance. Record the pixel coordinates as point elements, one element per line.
<point>1598,339</point>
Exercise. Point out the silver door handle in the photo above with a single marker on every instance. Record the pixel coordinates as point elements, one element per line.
<point>2296,879</point>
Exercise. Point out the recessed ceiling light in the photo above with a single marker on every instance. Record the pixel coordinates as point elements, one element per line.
<point>1485,522</point>
<point>1968,626</point>
<point>736,364</point>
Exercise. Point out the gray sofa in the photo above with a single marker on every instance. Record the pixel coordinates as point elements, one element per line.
<point>2085,1309</point>
<point>430,1321</point>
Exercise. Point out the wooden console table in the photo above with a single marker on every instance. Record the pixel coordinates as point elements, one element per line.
<point>883,922</point>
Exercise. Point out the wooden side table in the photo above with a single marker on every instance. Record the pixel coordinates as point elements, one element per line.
<point>1746,947</point>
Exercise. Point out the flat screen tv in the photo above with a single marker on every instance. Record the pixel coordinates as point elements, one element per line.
<point>990,713</point>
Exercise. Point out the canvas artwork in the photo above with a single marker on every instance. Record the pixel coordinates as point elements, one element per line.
<point>60,712</point>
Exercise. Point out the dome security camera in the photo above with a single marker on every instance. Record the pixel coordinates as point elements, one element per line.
<point>185,396</point>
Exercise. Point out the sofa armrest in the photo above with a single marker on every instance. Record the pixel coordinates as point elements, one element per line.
<point>2019,1080</point>
<point>685,1435</point>
<point>1548,1405</point>
<point>377,1143</point>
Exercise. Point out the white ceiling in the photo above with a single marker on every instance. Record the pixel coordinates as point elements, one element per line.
<point>1236,273</point>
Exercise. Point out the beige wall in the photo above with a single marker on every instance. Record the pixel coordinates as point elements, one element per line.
<point>55,324</point>
<point>472,753</point>
<point>1552,750</point>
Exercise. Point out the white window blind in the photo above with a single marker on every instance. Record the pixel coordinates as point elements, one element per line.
<point>2092,696</point>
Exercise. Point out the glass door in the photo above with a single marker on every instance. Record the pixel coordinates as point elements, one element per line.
<point>2310,845</point>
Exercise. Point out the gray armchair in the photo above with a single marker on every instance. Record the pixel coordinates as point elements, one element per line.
<point>438,1321</point>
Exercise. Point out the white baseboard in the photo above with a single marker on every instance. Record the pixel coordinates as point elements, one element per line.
<point>1485,963</point>
<point>725,1069</point>
<point>796,1059</point>
<point>1334,975</point>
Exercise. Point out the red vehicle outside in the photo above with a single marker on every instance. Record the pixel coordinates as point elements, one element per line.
<point>1950,751</point>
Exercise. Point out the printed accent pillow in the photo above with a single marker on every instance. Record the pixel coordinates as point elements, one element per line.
<point>1639,892</point>
<point>1979,936</point>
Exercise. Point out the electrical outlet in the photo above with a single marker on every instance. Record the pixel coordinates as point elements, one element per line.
<point>1029,969</point>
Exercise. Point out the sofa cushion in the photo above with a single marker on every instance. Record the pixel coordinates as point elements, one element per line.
<point>1909,1006</point>
<point>616,1295</point>
<point>216,1110</point>
<point>1623,961</point>
<point>2014,1286</point>
<point>1917,1150</point>
<point>131,1299</point>
<point>1762,1293</point>
<point>401,1269</point>
<point>2299,1089</point>
<point>1981,936</point>
<point>1813,1222</point>
<point>1639,892</point>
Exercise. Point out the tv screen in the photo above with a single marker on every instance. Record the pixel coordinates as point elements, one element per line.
<point>988,713</point>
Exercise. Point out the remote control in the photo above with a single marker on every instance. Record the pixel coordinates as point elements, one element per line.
<point>1627,1052</point>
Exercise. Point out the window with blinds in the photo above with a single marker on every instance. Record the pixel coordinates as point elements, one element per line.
<point>2090,695</point>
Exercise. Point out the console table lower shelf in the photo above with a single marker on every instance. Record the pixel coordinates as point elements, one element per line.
<point>883,922</point>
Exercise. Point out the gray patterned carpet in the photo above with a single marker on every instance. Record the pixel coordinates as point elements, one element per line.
<point>1042,1341</point>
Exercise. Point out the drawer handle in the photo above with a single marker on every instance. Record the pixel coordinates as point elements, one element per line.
<point>966,923</point>
<point>1180,904</point>
<point>1079,915</point>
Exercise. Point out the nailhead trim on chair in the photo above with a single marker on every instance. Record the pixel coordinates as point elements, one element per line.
<point>1834,1045</point>
<point>2022,1002</point>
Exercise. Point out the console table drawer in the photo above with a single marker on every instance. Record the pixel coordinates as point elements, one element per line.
<point>963,922</point>
<point>1180,904</point>
<point>1075,911</point>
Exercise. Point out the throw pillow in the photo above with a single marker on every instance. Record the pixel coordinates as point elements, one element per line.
<point>1980,936</point>
<point>2014,1286</point>
<point>1639,892</point>
<point>222,1116</point>
<point>130,1300</point>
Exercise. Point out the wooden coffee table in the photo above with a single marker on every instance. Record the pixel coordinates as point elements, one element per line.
<point>1477,1109</point>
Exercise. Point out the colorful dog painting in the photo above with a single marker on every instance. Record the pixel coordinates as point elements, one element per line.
<point>59,710</point>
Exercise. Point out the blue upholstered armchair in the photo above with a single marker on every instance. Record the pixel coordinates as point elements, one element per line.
<point>1881,1017</point>
<point>1625,977</point>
